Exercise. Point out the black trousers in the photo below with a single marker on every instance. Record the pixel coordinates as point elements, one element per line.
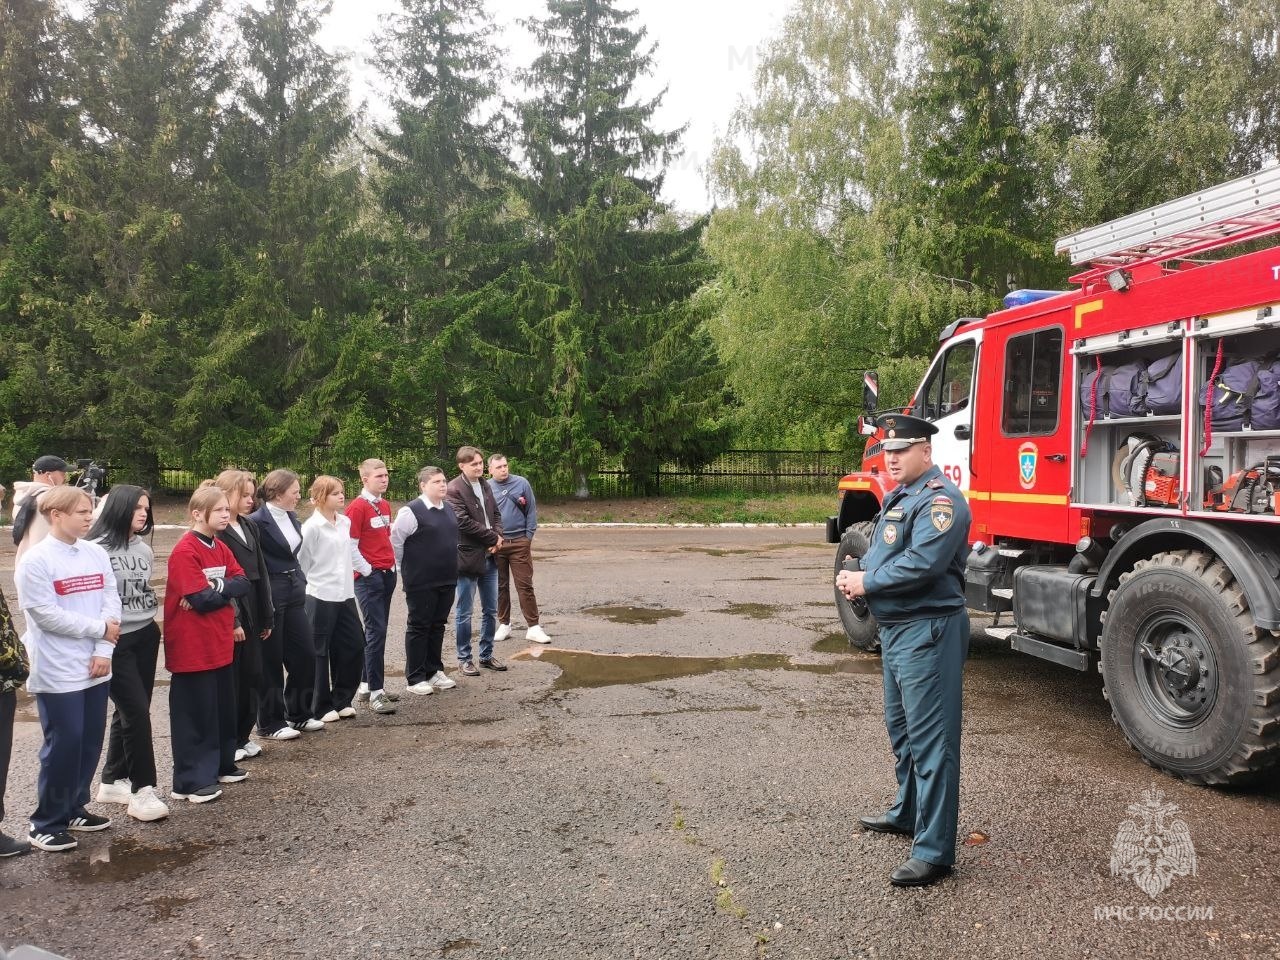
<point>339,643</point>
<point>424,632</point>
<point>289,648</point>
<point>202,724</point>
<point>247,670</point>
<point>8,708</point>
<point>130,755</point>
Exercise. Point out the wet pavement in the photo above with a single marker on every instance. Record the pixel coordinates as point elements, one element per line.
<point>676,776</point>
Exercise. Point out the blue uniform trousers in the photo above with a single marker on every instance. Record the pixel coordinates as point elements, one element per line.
<point>923,664</point>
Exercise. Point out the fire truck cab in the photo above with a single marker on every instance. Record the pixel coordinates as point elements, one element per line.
<point>1119,445</point>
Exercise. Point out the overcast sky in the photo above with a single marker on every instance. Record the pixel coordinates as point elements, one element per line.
<point>707,51</point>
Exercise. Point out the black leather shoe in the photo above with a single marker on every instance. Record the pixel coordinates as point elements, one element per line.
<point>918,873</point>
<point>493,665</point>
<point>469,670</point>
<point>882,824</point>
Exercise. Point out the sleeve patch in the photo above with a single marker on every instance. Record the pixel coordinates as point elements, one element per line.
<point>943,513</point>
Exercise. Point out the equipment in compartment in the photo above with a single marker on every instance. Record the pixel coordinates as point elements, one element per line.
<point>1255,489</point>
<point>1149,472</point>
<point>1243,392</point>
<point>1137,387</point>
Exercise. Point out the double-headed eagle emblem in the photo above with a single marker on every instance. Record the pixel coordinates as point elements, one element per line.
<point>1154,847</point>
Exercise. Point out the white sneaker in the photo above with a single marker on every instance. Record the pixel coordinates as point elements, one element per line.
<point>537,634</point>
<point>146,806</point>
<point>362,693</point>
<point>504,631</point>
<point>251,750</point>
<point>441,682</point>
<point>284,733</point>
<point>330,717</point>
<point>119,792</point>
<point>421,688</point>
<point>346,713</point>
<point>240,754</point>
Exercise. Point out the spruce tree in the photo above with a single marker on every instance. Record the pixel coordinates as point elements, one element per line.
<point>445,183</point>
<point>619,363</point>
<point>42,354</point>
<point>278,379</point>
<point>976,183</point>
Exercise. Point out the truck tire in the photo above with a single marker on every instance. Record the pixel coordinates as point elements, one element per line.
<point>1194,685</point>
<point>860,627</point>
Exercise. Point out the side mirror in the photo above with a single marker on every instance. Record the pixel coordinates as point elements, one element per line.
<point>870,392</point>
<point>867,426</point>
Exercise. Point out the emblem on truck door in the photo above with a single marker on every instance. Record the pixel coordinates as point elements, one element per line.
<point>1028,455</point>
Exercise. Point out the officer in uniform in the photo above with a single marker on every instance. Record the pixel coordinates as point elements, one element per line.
<point>913,580</point>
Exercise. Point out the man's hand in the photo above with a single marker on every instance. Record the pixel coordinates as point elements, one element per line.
<point>101,666</point>
<point>238,633</point>
<point>849,582</point>
<point>112,636</point>
<point>264,634</point>
<point>496,547</point>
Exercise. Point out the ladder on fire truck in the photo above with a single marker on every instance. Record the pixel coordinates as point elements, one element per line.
<point>1240,209</point>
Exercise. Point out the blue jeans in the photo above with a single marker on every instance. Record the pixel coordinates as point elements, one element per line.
<point>488,585</point>
<point>374,595</point>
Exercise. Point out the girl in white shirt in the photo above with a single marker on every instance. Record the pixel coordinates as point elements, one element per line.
<point>326,560</point>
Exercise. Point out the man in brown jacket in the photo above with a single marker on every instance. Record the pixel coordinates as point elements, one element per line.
<point>479,538</point>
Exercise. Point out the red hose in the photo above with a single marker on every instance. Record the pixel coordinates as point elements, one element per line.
<point>1208,402</point>
<point>1093,408</point>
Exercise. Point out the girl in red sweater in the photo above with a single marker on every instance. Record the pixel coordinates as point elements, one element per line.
<point>200,633</point>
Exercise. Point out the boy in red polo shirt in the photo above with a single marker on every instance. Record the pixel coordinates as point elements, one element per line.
<point>375,566</point>
<point>200,633</point>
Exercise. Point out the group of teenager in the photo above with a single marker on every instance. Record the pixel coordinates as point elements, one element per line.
<point>268,622</point>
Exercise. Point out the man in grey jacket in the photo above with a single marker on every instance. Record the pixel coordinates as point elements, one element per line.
<point>519,512</point>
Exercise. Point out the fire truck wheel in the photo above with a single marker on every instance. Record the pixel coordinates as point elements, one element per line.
<point>859,625</point>
<point>1193,684</point>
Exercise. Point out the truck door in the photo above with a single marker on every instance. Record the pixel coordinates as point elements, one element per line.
<point>1026,470</point>
<point>946,399</point>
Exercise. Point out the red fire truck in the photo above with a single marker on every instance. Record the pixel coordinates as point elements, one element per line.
<point>1119,445</point>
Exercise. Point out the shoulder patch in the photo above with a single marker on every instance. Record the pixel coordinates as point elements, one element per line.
<point>942,513</point>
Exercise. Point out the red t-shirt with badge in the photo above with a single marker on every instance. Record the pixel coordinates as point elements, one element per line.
<point>371,529</point>
<point>198,641</point>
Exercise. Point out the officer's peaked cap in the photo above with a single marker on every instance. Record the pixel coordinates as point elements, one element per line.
<point>901,430</point>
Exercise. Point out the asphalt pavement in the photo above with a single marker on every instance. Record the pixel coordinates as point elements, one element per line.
<point>677,776</point>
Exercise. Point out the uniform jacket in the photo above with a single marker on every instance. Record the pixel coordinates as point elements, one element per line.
<point>254,610</point>
<point>473,537</point>
<point>280,558</point>
<point>915,563</point>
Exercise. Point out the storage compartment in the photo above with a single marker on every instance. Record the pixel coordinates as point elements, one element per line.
<point>1053,603</point>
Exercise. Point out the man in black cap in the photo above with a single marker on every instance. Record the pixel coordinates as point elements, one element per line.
<point>29,526</point>
<point>913,579</point>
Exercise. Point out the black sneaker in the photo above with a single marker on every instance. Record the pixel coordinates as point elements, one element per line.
<point>203,795</point>
<point>493,664</point>
<point>89,823</point>
<point>235,776</point>
<point>53,841</point>
<point>12,847</point>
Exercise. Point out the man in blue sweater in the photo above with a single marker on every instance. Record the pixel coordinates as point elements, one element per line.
<point>519,523</point>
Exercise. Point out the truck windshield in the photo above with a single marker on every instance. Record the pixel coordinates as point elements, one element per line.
<point>946,389</point>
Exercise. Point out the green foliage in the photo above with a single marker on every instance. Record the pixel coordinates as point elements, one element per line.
<point>621,360</point>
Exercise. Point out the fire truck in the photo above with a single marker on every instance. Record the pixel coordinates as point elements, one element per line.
<point>1119,446</point>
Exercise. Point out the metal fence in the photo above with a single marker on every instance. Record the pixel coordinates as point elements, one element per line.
<point>734,471</point>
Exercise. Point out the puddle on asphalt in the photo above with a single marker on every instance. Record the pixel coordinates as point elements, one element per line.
<point>757,579</point>
<point>756,611</point>
<point>125,859</point>
<point>742,551</point>
<point>580,669</point>
<point>834,642</point>
<point>646,616</point>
